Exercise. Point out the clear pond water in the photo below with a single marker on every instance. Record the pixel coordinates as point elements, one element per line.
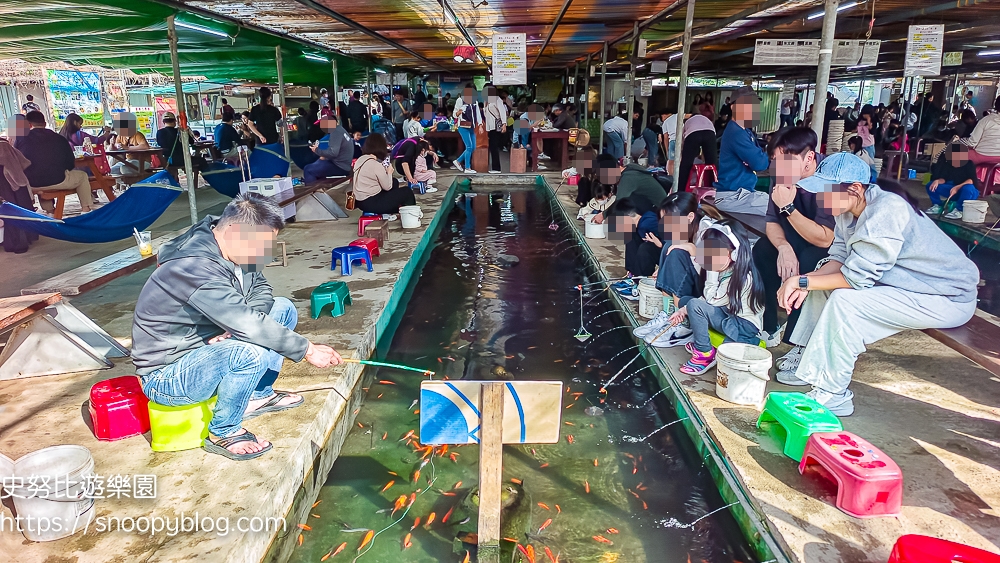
<point>496,300</point>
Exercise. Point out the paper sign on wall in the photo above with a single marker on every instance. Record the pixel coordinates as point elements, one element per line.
<point>798,52</point>
<point>510,59</point>
<point>642,48</point>
<point>449,412</point>
<point>855,52</point>
<point>924,47</point>
<point>646,87</point>
<point>952,58</point>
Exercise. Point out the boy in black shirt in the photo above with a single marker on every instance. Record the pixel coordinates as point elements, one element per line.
<point>953,177</point>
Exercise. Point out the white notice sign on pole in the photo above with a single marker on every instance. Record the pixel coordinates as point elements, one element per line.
<point>924,46</point>
<point>787,52</point>
<point>646,87</point>
<point>510,60</point>
<point>855,52</point>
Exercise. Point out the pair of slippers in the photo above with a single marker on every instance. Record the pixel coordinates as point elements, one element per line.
<point>221,445</point>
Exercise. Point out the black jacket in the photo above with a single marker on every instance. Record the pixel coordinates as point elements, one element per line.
<point>50,154</point>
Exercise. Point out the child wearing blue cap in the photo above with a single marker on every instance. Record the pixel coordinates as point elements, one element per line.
<point>890,269</point>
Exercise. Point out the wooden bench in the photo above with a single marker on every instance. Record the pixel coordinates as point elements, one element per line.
<point>978,340</point>
<point>15,309</point>
<point>312,203</point>
<point>99,272</point>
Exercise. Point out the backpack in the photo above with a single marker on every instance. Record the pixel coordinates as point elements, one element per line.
<point>385,128</point>
<point>396,147</point>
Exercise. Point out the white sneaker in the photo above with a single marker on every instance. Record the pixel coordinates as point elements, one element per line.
<point>773,339</point>
<point>841,404</point>
<point>788,377</point>
<point>495,172</point>
<point>953,214</point>
<point>541,167</point>
<point>457,166</point>
<point>655,325</point>
<point>431,182</point>
<point>933,210</point>
<point>677,336</point>
<point>790,361</point>
<point>390,217</point>
<point>469,171</point>
<point>430,190</point>
<point>543,156</point>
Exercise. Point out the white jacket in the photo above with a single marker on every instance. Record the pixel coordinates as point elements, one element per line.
<point>496,115</point>
<point>985,138</point>
<point>716,293</point>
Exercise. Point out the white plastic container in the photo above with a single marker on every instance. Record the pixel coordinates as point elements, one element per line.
<point>49,486</point>
<point>266,186</point>
<point>594,230</point>
<point>410,216</point>
<point>974,211</point>
<point>650,298</point>
<point>741,376</point>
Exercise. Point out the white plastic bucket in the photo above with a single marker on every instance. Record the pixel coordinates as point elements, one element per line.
<point>410,215</point>
<point>48,486</point>
<point>974,211</point>
<point>741,377</point>
<point>594,230</point>
<point>650,298</point>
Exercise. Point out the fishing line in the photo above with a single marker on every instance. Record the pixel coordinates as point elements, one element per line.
<point>975,244</point>
<point>387,365</point>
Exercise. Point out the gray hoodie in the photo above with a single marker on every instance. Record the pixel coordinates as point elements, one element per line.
<point>194,295</point>
<point>340,148</point>
<point>890,244</point>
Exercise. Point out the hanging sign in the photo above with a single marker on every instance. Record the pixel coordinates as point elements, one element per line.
<point>952,58</point>
<point>924,47</point>
<point>658,67</point>
<point>642,48</point>
<point>510,59</point>
<point>786,52</point>
<point>855,52</point>
<point>646,87</point>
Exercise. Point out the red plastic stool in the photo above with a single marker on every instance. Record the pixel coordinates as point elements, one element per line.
<point>912,548</point>
<point>369,243</point>
<point>118,408</point>
<point>697,174</point>
<point>988,175</point>
<point>869,482</point>
<point>365,220</point>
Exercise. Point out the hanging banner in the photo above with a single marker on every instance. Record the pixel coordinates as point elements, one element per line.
<point>787,52</point>
<point>76,92</point>
<point>924,47</point>
<point>510,59</point>
<point>952,58</point>
<point>855,52</point>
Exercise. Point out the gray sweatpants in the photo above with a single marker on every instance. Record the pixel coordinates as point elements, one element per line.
<point>836,326</point>
<point>742,201</point>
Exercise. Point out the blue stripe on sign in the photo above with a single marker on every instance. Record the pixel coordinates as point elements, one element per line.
<point>464,398</point>
<point>520,410</point>
<point>472,434</point>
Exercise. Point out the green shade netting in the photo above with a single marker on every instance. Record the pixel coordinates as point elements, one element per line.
<point>132,34</point>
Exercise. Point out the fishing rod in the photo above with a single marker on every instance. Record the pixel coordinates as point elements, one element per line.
<point>387,365</point>
<point>610,280</point>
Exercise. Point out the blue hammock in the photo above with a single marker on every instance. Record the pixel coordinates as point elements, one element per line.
<point>225,178</point>
<point>137,208</point>
<point>268,161</point>
<point>302,155</point>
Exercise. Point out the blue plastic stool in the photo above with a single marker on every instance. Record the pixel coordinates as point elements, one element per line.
<point>348,255</point>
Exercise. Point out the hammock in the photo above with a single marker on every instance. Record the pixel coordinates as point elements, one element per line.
<point>302,155</point>
<point>137,208</point>
<point>225,178</point>
<point>268,161</point>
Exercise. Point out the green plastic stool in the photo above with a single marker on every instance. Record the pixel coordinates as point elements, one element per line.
<point>800,416</point>
<point>717,338</point>
<point>335,293</point>
<point>180,428</point>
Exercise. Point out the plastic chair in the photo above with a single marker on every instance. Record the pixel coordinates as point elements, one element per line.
<point>347,256</point>
<point>330,293</point>
<point>800,417</point>
<point>869,483</point>
<point>118,408</point>
<point>180,428</point>
<point>700,188</point>
<point>364,221</point>
<point>988,177</point>
<point>717,338</point>
<point>369,243</point>
<point>913,548</point>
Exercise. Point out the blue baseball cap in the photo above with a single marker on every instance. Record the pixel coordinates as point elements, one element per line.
<point>836,169</point>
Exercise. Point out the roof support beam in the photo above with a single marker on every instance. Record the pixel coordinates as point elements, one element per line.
<point>669,10</point>
<point>552,31</point>
<point>464,32</point>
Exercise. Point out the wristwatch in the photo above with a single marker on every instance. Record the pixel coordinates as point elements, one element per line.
<point>788,209</point>
<point>803,282</point>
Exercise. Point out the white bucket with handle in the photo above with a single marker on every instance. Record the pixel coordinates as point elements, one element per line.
<point>594,230</point>
<point>741,376</point>
<point>650,298</point>
<point>49,486</point>
<point>410,216</point>
<point>974,211</point>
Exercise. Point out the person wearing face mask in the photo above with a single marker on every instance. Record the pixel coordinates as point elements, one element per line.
<point>798,231</point>
<point>740,157</point>
<point>206,323</point>
<point>890,269</point>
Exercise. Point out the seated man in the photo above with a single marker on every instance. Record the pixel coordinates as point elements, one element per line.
<point>53,166</point>
<point>227,138</point>
<point>643,240</point>
<point>953,177</point>
<point>799,231</point>
<point>336,158</point>
<point>562,118</point>
<point>206,324</point>
<point>739,158</point>
<point>635,183</point>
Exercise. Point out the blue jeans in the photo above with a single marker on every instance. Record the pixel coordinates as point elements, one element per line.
<point>616,146</point>
<point>652,147</point>
<point>236,371</point>
<point>321,169</point>
<point>469,138</point>
<point>703,316</point>
<point>939,195</point>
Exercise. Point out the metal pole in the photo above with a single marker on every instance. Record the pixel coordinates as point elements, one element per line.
<point>576,81</point>
<point>920,115</point>
<point>182,124</point>
<point>682,98</point>
<point>284,106</point>
<point>336,92</point>
<point>586,92</point>
<point>823,69</point>
<point>371,96</point>
<point>630,100</point>
<point>905,115</point>
<point>152,102</point>
<point>201,110</point>
<point>603,106</point>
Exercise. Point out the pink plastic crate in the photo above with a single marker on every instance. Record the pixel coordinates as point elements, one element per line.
<point>118,408</point>
<point>869,482</point>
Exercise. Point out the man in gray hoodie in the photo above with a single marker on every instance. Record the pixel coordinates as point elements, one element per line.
<point>207,324</point>
<point>335,151</point>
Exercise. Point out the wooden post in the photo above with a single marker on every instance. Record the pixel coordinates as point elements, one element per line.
<point>823,68</point>
<point>682,81</point>
<point>586,93</point>
<point>336,94</point>
<point>284,106</point>
<point>371,95</point>
<point>630,93</point>
<point>603,107</point>
<point>182,124</point>
<point>490,471</point>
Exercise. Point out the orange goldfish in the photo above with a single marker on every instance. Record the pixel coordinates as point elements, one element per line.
<point>398,504</point>
<point>466,558</point>
<point>516,481</point>
<point>384,434</point>
<point>603,539</point>
<point>416,475</point>
<point>387,485</point>
<point>413,497</point>
<point>612,530</point>
<point>407,435</point>
<point>543,505</point>
<point>453,457</point>
<point>586,486</point>
<point>558,510</point>
<point>544,525</point>
<point>548,553</point>
<point>531,552</point>
<point>595,462</point>
<point>569,438</point>
<point>415,524</point>
<point>304,527</point>
<point>386,382</point>
<point>334,552</point>
<point>300,540</point>
<point>457,485</point>
<point>368,537</point>
<point>543,466</point>
<point>430,519</point>
<point>444,519</point>
<point>316,503</point>
<point>526,554</point>
<point>406,541</point>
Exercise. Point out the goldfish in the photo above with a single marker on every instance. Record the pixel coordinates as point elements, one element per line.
<point>633,493</point>
<point>453,457</point>
<point>517,481</point>
<point>512,540</point>
<point>413,497</point>
<point>531,552</point>
<point>361,425</point>
<point>416,411</point>
<point>416,475</point>
<point>444,450</point>
<point>386,382</point>
<point>393,473</point>
<point>316,503</point>
<point>595,462</point>
<point>469,537</point>
<point>304,527</point>
<point>543,505</point>
<point>379,396</point>
<point>457,485</point>
<point>577,395</point>
<point>569,438</point>
<point>430,519</point>
<point>449,494</point>
<point>300,540</point>
<point>444,519</point>
<point>544,525</point>
<point>406,541</point>
<point>612,530</point>
<point>466,558</point>
<point>415,523</point>
<point>525,553</point>
<point>603,539</point>
<point>398,504</point>
<point>586,486</point>
<point>387,486</point>
<point>568,423</point>
<point>368,537</point>
<point>314,515</point>
<point>558,510</point>
<point>407,435</point>
<point>570,405</point>
<point>548,553</point>
<point>333,552</point>
<point>384,434</point>
<point>645,506</point>
<point>542,466</point>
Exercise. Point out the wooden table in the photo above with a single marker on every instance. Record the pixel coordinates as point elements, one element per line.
<point>448,137</point>
<point>98,180</point>
<point>537,138</point>
<point>142,155</point>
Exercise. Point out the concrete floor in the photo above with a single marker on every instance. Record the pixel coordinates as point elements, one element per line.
<point>40,412</point>
<point>933,411</point>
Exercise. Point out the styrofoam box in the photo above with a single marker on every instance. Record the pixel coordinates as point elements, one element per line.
<point>271,187</point>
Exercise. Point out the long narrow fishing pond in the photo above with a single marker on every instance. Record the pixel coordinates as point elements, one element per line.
<point>498,300</point>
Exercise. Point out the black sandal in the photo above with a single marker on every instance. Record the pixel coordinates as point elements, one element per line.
<point>221,446</point>
<point>272,405</point>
